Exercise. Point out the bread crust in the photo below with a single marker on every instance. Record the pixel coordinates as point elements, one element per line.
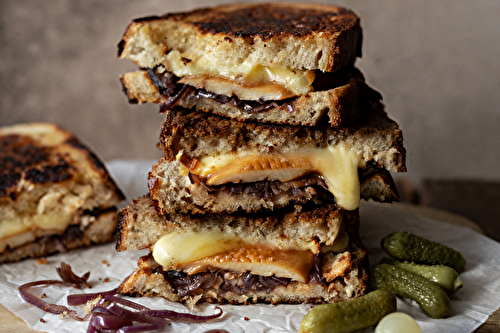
<point>320,37</point>
<point>141,226</point>
<point>340,106</point>
<point>44,154</point>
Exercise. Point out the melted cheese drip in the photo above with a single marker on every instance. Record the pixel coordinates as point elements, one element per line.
<point>298,82</point>
<point>338,165</point>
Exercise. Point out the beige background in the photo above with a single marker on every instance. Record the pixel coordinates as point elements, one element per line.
<point>437,64</point>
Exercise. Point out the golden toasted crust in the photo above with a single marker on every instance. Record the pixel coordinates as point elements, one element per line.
<point>340,106</point>
<point>90,230</point>
<point>200,134</point>
<point>140,225</point>
<point>297,36</point>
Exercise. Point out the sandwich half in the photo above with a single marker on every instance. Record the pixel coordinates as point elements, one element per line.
<point>55,194</point>
<point>280,63</point>
<point>215,164</point>
<point>299,254</point>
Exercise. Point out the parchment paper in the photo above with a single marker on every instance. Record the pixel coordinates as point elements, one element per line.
<point>471,306</point>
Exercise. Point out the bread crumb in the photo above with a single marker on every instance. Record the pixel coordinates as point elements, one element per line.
<point>105,262</point>
<point>41,261</point>
<point>246,319</point>
<point>106,279</point>
<point>42,320</point>
<point>43,295</point>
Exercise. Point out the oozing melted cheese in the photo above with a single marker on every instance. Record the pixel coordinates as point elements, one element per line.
<point>198,252</point>
<point>338,165</point>
<point>246,74</point>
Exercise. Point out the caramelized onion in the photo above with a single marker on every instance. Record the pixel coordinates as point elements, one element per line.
<point>109,314</point>
<point>67,275</point>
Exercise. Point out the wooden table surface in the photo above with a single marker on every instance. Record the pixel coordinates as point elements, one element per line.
<point>11,323</point>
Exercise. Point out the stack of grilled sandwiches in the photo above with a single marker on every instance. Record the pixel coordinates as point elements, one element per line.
<point>271,138</point>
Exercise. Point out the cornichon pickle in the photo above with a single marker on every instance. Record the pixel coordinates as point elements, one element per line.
<point>410,247</point>
<point>349,316</point>
<point>444,276</point>
<point>431,297</point>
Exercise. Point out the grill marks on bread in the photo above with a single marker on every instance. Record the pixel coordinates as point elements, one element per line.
<point>22,157</point>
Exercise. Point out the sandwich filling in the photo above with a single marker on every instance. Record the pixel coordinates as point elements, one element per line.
<point>338,165</point>
<point>205,251</point>
<point>247,80</point>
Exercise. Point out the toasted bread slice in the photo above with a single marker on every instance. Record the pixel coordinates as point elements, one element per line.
<point>342,103</point>
<point>225,165</point>
<point>141,226</point>
<point>295,36</point>
<point>174,192</point>
<point>339,273</point>
<point>49,182</point>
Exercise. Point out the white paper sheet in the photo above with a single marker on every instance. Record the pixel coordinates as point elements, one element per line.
<point>471,306</point>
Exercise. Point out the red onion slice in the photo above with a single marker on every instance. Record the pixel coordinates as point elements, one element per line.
<point>78,299</point>
<point>24,290</point>
<point>185,317</point>
<point>109,321</point>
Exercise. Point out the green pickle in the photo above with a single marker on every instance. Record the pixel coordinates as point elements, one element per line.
<point>432,299</point>
<point>445,276</point>
<point>410,247</point>
<point>349,316</point>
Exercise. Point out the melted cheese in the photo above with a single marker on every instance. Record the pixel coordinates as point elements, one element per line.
<point>198,252</point>
<point>246,74</point>
<point>258,260</point>
<point>338,165</point>
<point>55,211</point>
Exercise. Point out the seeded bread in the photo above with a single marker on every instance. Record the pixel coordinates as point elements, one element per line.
<point>341,105</point>
<point>296,36</point>
<point>48,181</point>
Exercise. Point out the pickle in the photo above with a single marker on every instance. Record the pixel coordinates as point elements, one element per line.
<point>445,276</point>
<point>431,297</point>
<point>349,316</point>
<point>410,247</point>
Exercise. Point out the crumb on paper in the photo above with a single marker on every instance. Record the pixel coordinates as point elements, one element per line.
<point>42,261</point>
<point>246,319</point>
<point>42,320</point>
<point>64,314</point>
<point>91,304</point>
<point>106,279</point>
<point>105,262</point>
<point>43,295</point>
